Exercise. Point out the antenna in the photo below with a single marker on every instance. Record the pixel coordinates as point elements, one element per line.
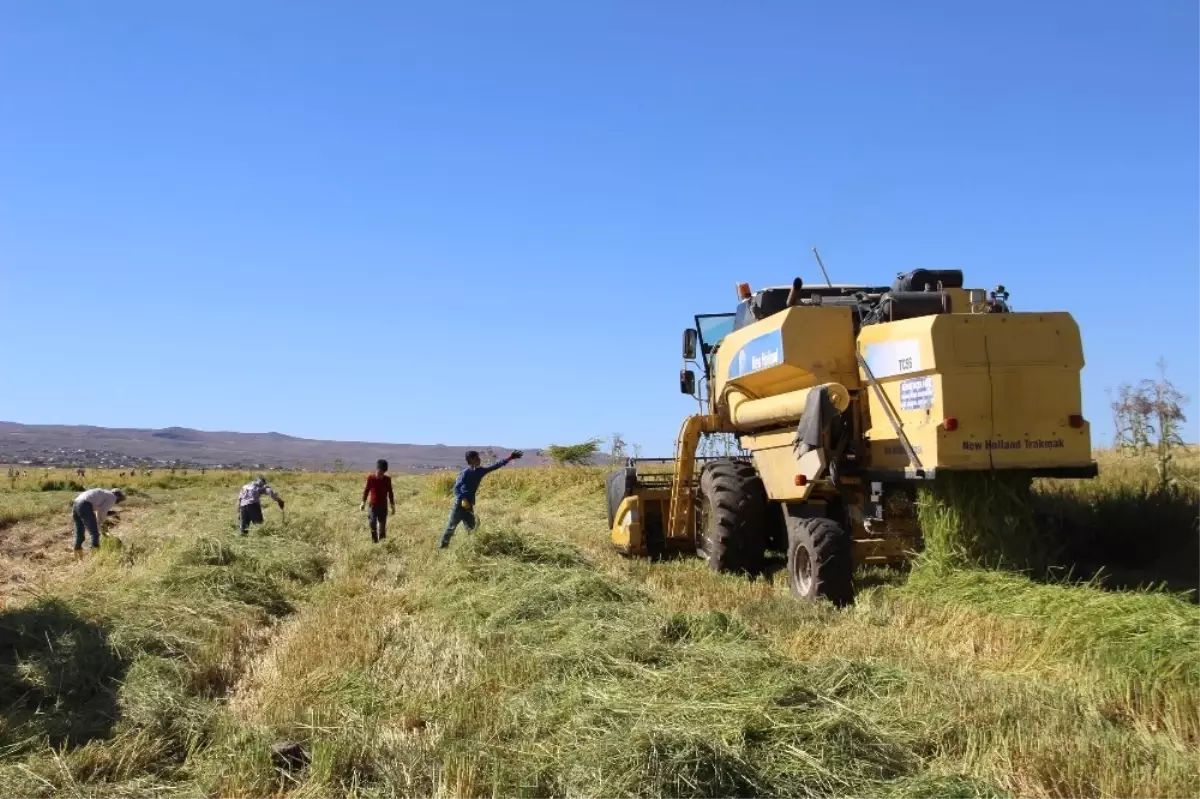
<point>822,265</point>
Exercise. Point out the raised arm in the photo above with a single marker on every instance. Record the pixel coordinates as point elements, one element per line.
<point>512,457</point>
<point>493,467</point>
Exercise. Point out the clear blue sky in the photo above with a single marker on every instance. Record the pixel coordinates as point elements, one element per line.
<point>488,222</point>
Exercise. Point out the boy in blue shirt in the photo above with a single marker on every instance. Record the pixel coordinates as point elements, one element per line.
<point>464,493</point>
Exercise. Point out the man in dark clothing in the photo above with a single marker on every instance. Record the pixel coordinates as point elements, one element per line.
<point>464,493</point>
<point>378,492</point>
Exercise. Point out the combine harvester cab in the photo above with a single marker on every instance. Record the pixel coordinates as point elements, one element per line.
<point>843,399</point>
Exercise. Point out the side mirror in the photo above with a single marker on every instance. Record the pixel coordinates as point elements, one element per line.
<point>687,382</point>
<point>690,338</point>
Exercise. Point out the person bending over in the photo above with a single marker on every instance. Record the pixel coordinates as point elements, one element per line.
<point>89,510</point>
<point>250,505</point>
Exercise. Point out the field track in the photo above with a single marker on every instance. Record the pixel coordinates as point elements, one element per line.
<point>529,659</point>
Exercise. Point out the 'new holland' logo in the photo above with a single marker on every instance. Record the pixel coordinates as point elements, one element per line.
<point>997,444</point>
<point>765,360</point>
<point>761,352</point>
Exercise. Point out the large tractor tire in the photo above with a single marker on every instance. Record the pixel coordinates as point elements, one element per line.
<point>732,517</point>
<point>620,484</point>
<point>819,561</point>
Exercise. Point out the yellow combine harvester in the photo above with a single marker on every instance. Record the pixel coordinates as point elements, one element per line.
<point>843,399</point>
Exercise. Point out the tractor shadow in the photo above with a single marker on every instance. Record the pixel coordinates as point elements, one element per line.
<point>59,675</point>
<point>1124,540</point>
<point>774,569</point>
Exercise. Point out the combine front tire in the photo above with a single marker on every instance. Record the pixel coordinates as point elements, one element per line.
<point>732,517</point>
<point>819,561</point>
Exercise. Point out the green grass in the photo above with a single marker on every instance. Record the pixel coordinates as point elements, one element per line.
<point>984,519</point>
<point>531,660</point>
<point>24,505</point>
<point>42,493</point>
<point>1125,526</point>
<point>126,668</point>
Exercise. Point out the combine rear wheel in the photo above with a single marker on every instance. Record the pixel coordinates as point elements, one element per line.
<point>819,561</point>
<point>731,534</point>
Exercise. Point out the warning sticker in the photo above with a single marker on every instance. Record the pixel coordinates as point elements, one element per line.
<point>916,394</point>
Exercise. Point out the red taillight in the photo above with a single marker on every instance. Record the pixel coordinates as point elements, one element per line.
<point>1075,420</point>
<point>801,480</point>
<point>950,423</point>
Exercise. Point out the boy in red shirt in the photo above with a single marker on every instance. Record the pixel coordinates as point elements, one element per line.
<point>378,492</point>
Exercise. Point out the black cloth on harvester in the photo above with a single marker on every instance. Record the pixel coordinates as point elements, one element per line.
<point>818,414</point>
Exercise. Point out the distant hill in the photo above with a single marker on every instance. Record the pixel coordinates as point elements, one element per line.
<point>97,446</point>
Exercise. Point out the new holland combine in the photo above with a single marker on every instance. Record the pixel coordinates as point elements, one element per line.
<point>843,399</point>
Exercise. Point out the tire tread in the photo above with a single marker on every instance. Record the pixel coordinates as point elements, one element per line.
<point>739,503</point>
<point>830,552</point>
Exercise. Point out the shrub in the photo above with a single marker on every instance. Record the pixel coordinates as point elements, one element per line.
<point>61,485</point>
<point>574,454</point>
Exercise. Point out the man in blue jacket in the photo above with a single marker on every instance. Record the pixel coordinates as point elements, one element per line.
<point>464,493</point>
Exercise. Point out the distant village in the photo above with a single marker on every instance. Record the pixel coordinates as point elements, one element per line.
<point>66,458</point>
<point>105,459</point>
